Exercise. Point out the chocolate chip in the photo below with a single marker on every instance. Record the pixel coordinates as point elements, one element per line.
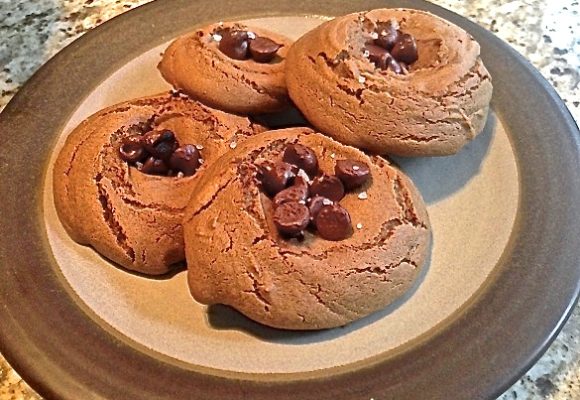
<point>131,149</point>
<point>263,50</point>
<point>185,159</point>
<point>301,181</point>
<point>377,55</point>
<point>276,176</point>
<point>383,59</point>
<point>291,219</point>
<point>405,49</point>
<point>394,66</point>
<point>333,222</point>
<point>155,166</point>
<point>388,35</point>
<point>164,150</point>
<point>352,173</point>
<point>327,186</point>
<point>160,144</point>
<point>296,194</point>
<point>303,157</point>
<point>316,203</point>
<point>234,44</point>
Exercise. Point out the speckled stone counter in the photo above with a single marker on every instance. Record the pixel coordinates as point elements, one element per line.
<point>547,32</point>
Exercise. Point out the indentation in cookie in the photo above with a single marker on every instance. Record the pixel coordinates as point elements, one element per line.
<point>157,152</point>
<point>388,47</point>
<point>303,196</point>
<point>239,43</point>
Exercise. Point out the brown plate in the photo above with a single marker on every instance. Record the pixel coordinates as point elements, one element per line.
<point>502,279</point>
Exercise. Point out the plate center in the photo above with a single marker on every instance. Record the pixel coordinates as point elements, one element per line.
<point>472,201</point>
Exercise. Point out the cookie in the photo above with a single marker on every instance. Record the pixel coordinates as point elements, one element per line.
<point>131,211</point>
<point>270,231</point>
<point>230,66</point>
<point>396,81</point>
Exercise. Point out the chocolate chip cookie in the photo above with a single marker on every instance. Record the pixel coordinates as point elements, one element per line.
<point>125,175</point>
<point>396,81</point>
<point>230,66</point>
<point>298,231</point>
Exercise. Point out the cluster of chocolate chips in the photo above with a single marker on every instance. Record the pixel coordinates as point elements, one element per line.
<point>391,49</point>
<point>303,196</point>
<point>241,45</point>
<point>158,153</point>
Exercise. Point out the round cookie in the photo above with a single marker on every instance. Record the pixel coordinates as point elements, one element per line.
<point>128,216</point>
<point>236,255</point>
<point>433,107</point>
<point>195,64</point>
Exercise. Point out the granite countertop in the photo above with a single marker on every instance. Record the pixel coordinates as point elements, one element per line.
<point>547,32</point>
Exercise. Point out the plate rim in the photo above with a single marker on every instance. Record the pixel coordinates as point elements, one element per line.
<point>21,348</point>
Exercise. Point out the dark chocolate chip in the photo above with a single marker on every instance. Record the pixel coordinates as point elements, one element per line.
<point>352,173</point>
<point>160,144</point>
<point>377,55</point>
<point>333,222</point>
<point>276,176</point>
<point>388,35</point>
<point>303,157</point>
<point>327,186</point>
<point>394,66</point>
<point>291,219</point>
<point>263,50</point>
<point>155,166</point>
<point>293,194</point>
<point>185,159</point>
<point>131,149</point>
<point>383,59</point>
<point>405,49</point>
<point>404,67</point>
<point>316,203</point>
<point>234,44</point>
<point>164,150</point>
<point>301,181</point>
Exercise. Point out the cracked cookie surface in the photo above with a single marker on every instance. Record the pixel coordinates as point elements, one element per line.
<point>130,217</point>
<point>193,63</point>
<point>435,109</point>
<point>236,256</point>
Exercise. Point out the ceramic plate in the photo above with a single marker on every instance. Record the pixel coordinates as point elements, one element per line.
<point>502,277</point>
